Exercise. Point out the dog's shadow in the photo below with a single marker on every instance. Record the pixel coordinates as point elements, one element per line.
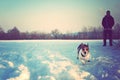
<point>79,63</point>
<point>87,65</point>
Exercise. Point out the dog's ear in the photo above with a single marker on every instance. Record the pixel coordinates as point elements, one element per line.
<point>80,46</point>
<point>87,44</point>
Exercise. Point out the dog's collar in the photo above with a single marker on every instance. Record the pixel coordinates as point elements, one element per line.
<point>83,55</point>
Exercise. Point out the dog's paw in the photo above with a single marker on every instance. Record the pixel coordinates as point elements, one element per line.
<point>88,61</point>
<point>77,57</point>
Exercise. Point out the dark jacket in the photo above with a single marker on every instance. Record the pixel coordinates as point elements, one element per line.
<point>108,22</point>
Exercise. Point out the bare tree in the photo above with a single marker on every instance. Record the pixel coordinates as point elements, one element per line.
<point>2,33</point>
<point>55,33</point>
<point>13,33</point>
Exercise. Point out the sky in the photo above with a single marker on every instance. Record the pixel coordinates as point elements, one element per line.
<point>48,15</point>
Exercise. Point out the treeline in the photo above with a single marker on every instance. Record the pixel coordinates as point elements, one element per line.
<point>85,33</point>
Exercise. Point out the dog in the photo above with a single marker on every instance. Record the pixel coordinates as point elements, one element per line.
<point>83,53</point>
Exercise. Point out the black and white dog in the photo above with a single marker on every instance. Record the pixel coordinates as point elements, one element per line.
<point>83,53</point>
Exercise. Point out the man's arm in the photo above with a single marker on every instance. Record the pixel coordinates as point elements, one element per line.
<point>113,22</point>
<point>103,22</point>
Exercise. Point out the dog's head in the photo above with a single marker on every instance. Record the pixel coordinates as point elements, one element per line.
<point>84,48</point>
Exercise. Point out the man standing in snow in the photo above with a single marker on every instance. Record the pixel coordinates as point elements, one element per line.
<point>107,23</point>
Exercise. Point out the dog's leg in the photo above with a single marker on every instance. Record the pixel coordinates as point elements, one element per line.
<point>78,53</point>
<point>77,56</point>
<point>88,57</point>
<point>83,61</point>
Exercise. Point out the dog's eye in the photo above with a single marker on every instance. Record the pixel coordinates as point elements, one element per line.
<point>87,49</point>
<point>83,49</point>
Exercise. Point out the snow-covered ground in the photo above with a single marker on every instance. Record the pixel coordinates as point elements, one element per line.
<point>56,60</point>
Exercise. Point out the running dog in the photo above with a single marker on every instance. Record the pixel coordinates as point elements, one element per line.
<point>83,53</point>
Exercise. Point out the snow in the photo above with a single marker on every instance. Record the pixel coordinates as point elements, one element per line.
<point>56,60</point>
<point>24,75</point>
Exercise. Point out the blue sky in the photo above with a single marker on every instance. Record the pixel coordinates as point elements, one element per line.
<point>47,15</point>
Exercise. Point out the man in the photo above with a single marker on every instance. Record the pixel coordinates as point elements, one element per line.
<point>107,23</point>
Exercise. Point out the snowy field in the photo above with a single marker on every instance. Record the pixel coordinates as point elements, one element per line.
<point>56,60</point>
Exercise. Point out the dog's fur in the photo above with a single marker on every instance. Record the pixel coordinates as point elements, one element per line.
<point>83,53</point>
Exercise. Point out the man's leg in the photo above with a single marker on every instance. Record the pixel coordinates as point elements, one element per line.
<point>104,38</point>
<point>110,38</point>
